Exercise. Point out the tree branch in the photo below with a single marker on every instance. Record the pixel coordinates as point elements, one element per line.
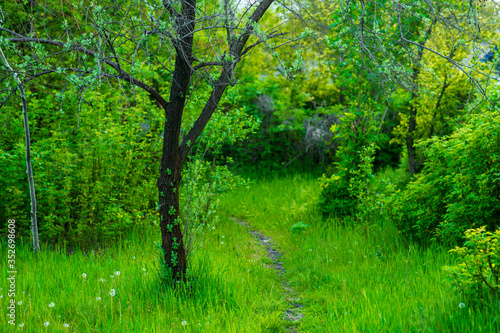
<point>223,81</point>
<point>121,74</point>
<point>207,64</point>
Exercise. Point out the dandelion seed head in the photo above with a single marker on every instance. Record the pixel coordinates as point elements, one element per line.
<point>184,323</point>
<point>46,324</point>
<point>84,275</point>
<point>98,298</point>
<point>117,273</point>
<point>112,292</point>
<point>461,305</point>
<point>20,302</point>
<point>21,325</point>
<point>51,305</point>
<point>66,325</point>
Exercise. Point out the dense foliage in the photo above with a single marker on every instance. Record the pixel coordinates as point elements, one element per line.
<point>476,274</point>
<point>95,167</point>
<point>458,188</point>
<point>395,103</point>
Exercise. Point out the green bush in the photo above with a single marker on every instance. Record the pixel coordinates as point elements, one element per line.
<point>335,198</point>
<point>476,274</point>
<point>348,191</point>
<point>459,187</point>
<point>356,135</point>
<point>94,179</point>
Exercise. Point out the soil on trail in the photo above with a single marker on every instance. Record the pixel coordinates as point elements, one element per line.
<point>292,314</point>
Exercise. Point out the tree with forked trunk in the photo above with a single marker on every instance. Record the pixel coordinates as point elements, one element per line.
<point>88,43</point>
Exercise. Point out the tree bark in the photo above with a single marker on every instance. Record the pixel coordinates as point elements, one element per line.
<point>174,154</point>
<point>171,166</point>
<point>410,144</point>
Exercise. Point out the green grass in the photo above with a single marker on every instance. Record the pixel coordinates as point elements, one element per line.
<point>350,278</point>
<point>356,278</point>
<point>230,288</point>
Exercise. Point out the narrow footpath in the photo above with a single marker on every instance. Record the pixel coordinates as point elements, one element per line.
<point>292,314</point>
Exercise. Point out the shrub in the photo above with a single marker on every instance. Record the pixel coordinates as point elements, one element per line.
<point>94,179</point>
<point>356,135</point>
<point>347,192</point>
<point>476,274</point>
<point>335,198</point>
<point>459,187</point>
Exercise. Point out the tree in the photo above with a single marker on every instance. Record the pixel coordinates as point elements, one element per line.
<point>393,38</point>
<point>29,169</point>
<point>88,43</point>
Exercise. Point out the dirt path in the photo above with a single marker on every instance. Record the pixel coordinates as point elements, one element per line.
<point>292,314</point>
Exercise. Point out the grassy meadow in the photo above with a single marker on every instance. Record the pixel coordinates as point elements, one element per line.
<point>349,278</point>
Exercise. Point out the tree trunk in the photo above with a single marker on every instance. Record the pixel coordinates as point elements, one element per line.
<point>410,147</point>
<point>171,164</point>
<point>174,154</point>
<point>170,225</point>
<point>170,173</point>
<point>29,170</point>
<point>410,142</point>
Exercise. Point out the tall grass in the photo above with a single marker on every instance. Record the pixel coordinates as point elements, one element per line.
<point>350,278</point>
<point>229,288</point>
